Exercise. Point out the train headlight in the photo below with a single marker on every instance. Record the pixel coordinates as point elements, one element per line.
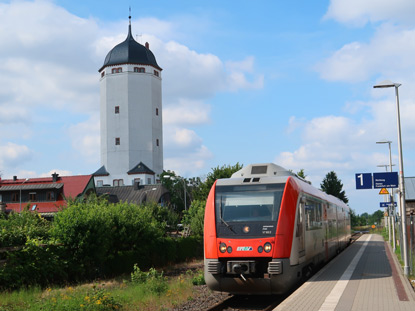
<point>222,247</point>
<point>260,249</point>
<point>267,247</point>
<point>229,249</point>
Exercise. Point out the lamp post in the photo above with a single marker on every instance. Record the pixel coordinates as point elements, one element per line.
<point>387,84</point>
<point>391,207</point>
<point>145,192</point>
<point>20,194</point>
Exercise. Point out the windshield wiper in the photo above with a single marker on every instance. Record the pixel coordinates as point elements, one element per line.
<point>222,220</point>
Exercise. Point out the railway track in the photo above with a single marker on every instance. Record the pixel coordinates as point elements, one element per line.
<point>249,303</point>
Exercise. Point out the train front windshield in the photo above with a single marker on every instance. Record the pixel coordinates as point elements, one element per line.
<point>238,205</point>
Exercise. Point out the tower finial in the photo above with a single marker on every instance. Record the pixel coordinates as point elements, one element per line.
<point>129,17</point>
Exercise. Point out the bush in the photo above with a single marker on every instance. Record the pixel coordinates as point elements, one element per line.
<point>35,264</point>
<point>194,217</point>
<point>96,233</point>
<point>18,228</point>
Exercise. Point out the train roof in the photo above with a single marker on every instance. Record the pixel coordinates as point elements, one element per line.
<point>265,173</point>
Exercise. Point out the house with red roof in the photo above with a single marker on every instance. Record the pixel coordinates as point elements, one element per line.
<point>46,195</point>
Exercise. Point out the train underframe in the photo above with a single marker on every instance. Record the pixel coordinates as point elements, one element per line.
<point>254,276</point>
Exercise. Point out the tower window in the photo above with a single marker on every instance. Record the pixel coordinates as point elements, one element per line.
<point>156,73</point>
<point>157,111</point>
<point>117,140</point>
<point>116,70</point>
<point>118,182</point>
<point>157,142</point>
<point>117,109</point>
<point>139,69</point>
<point>102,74</point>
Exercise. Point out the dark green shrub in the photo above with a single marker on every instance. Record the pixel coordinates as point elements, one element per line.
<point>96,233</point>
<point>35,264</point>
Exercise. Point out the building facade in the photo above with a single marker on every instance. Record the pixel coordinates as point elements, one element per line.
<point>131,116</point>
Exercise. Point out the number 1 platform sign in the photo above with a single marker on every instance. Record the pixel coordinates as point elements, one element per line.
<point>364,181</point>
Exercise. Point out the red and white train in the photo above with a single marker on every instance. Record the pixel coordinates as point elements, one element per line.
<point>266,228</point>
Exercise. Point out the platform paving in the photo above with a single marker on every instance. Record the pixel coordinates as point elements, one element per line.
<point>365,276</point>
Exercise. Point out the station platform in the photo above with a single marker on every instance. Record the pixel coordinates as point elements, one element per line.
<point>365,276</point>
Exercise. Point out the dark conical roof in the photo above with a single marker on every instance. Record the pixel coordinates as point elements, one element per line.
<point>102,171</point>
<point>140,168</point>
<point>130,52</point>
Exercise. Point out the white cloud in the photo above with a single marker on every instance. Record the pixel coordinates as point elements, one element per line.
<point>186,112</point>
<point>85,137</point>
<point>389,53</point>
<point>58,171</point>
<point>188,164</point>
<point>358,13</point>
<point>13,155</point>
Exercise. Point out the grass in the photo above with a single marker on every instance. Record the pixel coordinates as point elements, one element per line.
<point>109,295</point>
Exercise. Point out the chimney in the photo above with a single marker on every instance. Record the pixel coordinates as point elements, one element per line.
<point>14,178</point>
<point>55,177</point>
<point>147,46</point>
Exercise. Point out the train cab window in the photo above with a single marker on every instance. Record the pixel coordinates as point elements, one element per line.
<point>248,203</point>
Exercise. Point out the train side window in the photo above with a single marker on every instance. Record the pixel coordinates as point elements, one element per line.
<point>313,215</point>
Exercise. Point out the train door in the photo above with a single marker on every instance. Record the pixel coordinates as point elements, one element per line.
<point>326,231</point>
<point>300,231</point>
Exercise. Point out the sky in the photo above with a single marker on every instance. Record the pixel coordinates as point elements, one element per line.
<point>288,82</point>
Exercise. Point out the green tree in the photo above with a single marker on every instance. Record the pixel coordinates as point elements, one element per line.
<point>301,174</point>
<point>332,185</point>
<point>194,217</point>
<point>201,193</point>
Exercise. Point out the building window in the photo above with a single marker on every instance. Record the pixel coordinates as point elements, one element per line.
<point>100,183</point>
<point>32,196</point>
<point>117,140</point>
<point>156,73</point>
<point>148,181</point>
<point>117,109</point>
<point>157,111</point>
<point>139,69</point>
<point>1,199</point>
<point>15,197</point>
<point>157,142</point>
<point>102,74</point>
<point>116,70</point>
<point>50,196</point>
<point>118,182</point>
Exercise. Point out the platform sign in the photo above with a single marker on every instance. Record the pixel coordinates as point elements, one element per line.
<point>363,181</point>
<point>388,204</point>
<point>385,180</point>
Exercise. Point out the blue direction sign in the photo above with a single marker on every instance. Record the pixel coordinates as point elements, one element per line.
<point>388,204</point>
<point>385,180</point>
<point>363,181</point>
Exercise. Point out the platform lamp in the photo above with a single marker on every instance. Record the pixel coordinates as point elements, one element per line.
<point>392,195</point>
<point>184,185</point>
<point>387,84</point>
